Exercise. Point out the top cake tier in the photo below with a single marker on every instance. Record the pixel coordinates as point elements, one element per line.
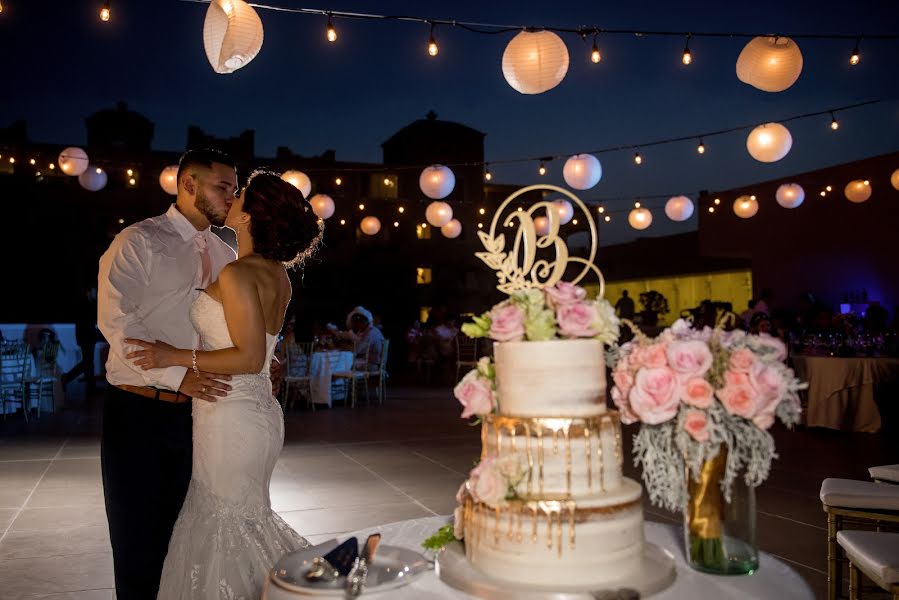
<point>556,378</point>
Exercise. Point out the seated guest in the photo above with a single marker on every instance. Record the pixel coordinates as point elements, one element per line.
<point>367,339</point>
<point>760,323</point>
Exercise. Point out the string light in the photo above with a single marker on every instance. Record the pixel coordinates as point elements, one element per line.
<point>833,122</point>
<point>595,56</point>
<point>487,174</point>
<point>401,210</point>
<point>574,221</point>
<point>542,169</point>
<point>711,209</point>
<point>855,58</point>
<point>638,159</point>
<point>636,204</point>
<point>130,172</point>
<point>823,193</point>
<point>361,207</point>
<point>343,221</point>
<point>32,162</point>
<point>608,219</point>
<point>338,181</point>
<point>12,160</point>
<point>121,221</point>
<point>52,166</point>
<point>829,188</point>
<point>480,225</point>
<point>432,43</point>
<point>132,181</point>
<point>396,223</point>
<point>701,147</point>
<point>687,58</point>
<point>331,32</point>
<point>601,209</point>
<point>105,12</point>
<point>481,211</point>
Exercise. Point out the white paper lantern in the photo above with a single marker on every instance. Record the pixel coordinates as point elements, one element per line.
<point>168,180</point>
<point>535,61</point>
<point>93,179</point>
<point>745,207</point>
<point>769,142</point>
<point>582,171</point>
<point>437,182</point>
<point>564,210</point>
<point>232,35</point>
<point>771,64</point>
<point>370,225</point>
<point>452,229</point>
<point>679,208</point>
<point>439,213</point>
<point>299,180</point>
<point>790,195</point>
<point>858,191</point>
<point>322,205</point>
<point>894,179</point>
<point>640,218</point>
<point>73,161</point>
<point>541,225</point>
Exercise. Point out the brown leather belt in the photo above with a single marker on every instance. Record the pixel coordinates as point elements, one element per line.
<point>155,393</point>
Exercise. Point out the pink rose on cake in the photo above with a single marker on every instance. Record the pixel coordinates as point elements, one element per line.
<point>486,484</point>
<point>507,322</point>
<point>475,393</point>
<point>698,392</point>
<point>563,294</point>
<point>653,398</point>
<point>690,358</point>
<point>578,320</point>
<point>696,423</point>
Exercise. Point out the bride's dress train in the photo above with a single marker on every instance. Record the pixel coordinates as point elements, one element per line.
<point>227,537</point>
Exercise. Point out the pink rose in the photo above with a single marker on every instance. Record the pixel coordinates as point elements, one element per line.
<point>771,388</point>
<point>653,398</point>
<point>779,350</point>
<point>507,322</point>
<point>690,358</point>
<point>763,420</point>
<point>463,491</point>
<point>475,394</point>
<point>696,424</point>
<point>578,320</point>
<point>623,380</point>
<point>738,400</point>
<point>654,356</point>
<point>625,414</point>
<point>486,484</point>
<point>732,379</point>
<point>741,360</point>
<point>564,293</point>
<point>697,392</point>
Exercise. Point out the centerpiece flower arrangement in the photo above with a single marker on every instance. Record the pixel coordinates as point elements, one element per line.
<point>705,400</point>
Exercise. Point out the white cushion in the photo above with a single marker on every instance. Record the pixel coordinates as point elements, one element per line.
<point>874,552</point>
<point>851,493</point>
<point>885,472</point>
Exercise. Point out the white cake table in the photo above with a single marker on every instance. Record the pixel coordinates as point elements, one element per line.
<point>774,579</point>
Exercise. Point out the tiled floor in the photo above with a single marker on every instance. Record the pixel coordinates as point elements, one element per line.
<point>343,470</point>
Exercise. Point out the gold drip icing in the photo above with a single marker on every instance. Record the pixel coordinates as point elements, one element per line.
<point>555,441</point>
<point>533,507</point>
<point>572,508</point>
<point>567,461</point>
<point>530,455</point>
<point>618,457</point>
<point>588,451</point>
<point>496,516</point>
<point>540,460</point>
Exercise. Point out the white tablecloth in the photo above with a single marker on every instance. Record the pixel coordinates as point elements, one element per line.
<point>774,579</point>
<point>323,364</point>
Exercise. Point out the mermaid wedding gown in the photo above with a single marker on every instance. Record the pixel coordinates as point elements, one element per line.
<point>227,537</point>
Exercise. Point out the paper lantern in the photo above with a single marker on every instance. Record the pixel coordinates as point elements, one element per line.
<point>541,225</point>
<point>93,179</point>
<point>769,142</point>
<point>370,225</point>
<point>564,210</point>
<point>322,205</point>
<point>535,61</point>
<point>582,171</point>
<point>299,180</point>
<point>679,208</point>
<point>452,229</point>
<point>437,182</point>
<point>746,207</point>
<point>73,161</point>
<point>858,191</point>
<point>894,179</point>
<point>640,218</point>
<point>439,213</point>
<point>168,180</point>
<point>771,64</point>
<point>790,195</point>
<point>232,35</point>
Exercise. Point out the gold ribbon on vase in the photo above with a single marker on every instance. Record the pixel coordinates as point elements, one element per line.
<point>705,505</point>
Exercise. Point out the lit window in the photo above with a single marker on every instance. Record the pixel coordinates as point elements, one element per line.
<point>422,275</point>
<point>382,186</point>
<point>422,231</point>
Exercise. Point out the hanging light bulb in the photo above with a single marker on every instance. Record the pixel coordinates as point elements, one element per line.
<point>638,159</point>
<point>595,56</point>
<point>432,43</point>
<point>104,12</point>
<point>542,169</point>
<point>338,181</point>
<point>608,219</point>
<point>401,210</point>
<point>833,122</point>
<point>487,174</point>
<point>701,147</point>
<point>855,58</point>
<point>687,58</point>
<point>331,32</point>
<point>601,209</point>
<point>481,211</point>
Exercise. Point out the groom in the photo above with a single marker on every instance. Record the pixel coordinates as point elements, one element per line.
<point>148,279</point>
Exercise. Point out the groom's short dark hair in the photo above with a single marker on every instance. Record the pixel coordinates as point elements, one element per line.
<point>204,157</point>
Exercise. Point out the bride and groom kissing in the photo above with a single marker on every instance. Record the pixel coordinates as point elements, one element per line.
<point>191,431</point>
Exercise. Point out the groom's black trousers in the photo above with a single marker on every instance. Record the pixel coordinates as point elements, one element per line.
<point>146,453</point>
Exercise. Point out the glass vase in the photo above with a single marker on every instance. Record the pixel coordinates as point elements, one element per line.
<point>720,536</point>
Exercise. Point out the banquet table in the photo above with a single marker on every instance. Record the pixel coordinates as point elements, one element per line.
<point>323,365</point>
<point>774,578</point>
<point>841,390</point>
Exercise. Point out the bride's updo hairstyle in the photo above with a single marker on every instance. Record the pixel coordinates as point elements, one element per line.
<point>283,225</point>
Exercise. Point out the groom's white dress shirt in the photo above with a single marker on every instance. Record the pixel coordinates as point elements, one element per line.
<point>147,283</point>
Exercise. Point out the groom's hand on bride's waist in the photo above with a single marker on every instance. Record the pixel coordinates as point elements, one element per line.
<point>205,386</point>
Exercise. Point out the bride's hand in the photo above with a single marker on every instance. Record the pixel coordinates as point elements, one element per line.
<point>155,355</point>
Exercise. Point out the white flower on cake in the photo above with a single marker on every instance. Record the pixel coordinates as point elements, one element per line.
<point>475,392</point>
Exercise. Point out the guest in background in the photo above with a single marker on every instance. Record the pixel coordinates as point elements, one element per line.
<point>368,340</point>
<point>746,315</point>
<point>625,306</point>
<point>760,323</point>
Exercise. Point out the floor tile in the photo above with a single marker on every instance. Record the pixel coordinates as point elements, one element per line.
<point>37,543</point>
<point>32,576</point>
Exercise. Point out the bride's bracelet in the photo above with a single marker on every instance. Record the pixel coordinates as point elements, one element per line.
<point>193,360</point>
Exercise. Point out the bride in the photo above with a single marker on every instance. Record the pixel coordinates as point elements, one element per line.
<point>227,537</point>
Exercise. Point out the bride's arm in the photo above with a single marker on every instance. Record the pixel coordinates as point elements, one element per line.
<point>246,324</point>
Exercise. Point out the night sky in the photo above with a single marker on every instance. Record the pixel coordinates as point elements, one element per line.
<point>62,64</point>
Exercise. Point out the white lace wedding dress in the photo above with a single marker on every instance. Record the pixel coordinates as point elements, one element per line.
<point>227,537</point>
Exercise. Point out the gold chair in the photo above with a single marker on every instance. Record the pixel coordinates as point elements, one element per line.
<point>13,368</point>
<point>43,383</point>
<point>875,554</point>
<point>466,353</point>
<point>381,374</point>
<point>298,359</point>
<point>354,375</point>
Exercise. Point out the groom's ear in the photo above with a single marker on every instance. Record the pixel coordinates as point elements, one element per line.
<point>189,182</point>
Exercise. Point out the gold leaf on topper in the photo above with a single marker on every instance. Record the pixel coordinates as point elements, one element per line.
<point>535,261</point>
